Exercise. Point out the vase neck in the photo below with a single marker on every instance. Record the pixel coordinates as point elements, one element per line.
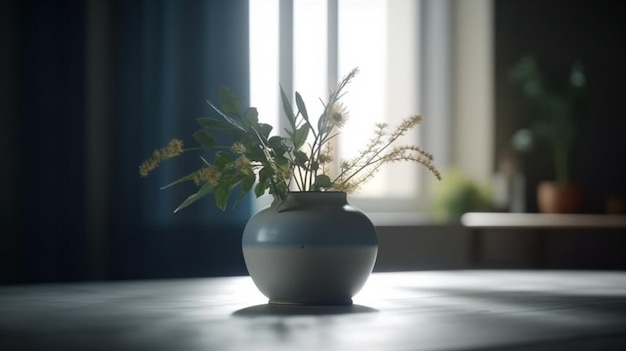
<point>300,199</point>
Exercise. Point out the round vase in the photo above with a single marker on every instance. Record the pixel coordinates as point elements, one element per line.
<point>314,249</point>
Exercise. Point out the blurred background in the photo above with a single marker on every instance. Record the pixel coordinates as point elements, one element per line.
<point>89,88</point>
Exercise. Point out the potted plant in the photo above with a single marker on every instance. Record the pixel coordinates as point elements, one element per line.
<point>458,194</point>
<point>310,246</point>
<point>555,108</point>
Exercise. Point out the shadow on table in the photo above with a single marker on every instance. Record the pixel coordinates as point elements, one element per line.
<point>300,310</point>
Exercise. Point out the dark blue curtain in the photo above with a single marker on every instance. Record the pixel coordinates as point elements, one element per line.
<point>43,103</point>
<point>171,57</point>
<point>158,62</point>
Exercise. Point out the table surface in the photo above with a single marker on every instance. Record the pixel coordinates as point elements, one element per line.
<point>430,310</point>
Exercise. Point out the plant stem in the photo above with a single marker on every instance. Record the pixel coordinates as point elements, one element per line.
<point>369,160</point>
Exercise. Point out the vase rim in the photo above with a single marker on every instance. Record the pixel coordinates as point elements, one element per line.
<point>298,198</point>
<point>316,192</point>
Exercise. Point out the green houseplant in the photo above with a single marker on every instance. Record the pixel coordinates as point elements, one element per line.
<point>458,194</point>
<point>555,106</point>
<point>299,161</point>
<point>310,246</point>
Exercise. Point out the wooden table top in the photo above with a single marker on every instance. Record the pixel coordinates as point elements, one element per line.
<point>430,310</point>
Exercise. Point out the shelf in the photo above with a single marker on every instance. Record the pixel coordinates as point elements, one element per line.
<point>538,220</point>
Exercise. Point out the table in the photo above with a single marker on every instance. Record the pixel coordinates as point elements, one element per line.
<point>478,222</point>
<point>430,310</point>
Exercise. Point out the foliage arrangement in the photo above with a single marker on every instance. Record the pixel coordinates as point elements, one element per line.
<point>300,161</point>
<point>555,105</point>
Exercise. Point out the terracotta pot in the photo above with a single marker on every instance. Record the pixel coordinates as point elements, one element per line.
<point>313,249</point>
<point>558,198</point>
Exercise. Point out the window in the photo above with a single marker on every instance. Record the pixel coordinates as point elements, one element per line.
<point>308,45</point>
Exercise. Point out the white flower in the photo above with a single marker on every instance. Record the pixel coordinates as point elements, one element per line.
<point>337,115</point>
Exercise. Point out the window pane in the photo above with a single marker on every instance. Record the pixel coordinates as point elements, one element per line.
<point>310,53</point>
<point>381,38</point>
<point>264,53</point>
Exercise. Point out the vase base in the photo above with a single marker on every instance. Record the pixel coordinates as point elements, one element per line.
<point>337,302</point>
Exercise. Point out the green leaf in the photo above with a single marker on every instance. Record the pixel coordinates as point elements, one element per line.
<point>281,160</point>
<point>211,123</point>
<point>188,177</point>
<point>265,130</point>
<point>204,191</point>
<point>259,189</point>
<point>277,144</point>
<point>287,108</point>
<point>300,137</point>
<point>247,182</point>
<point>301,106</point>
<point>322,181</point>
<point>315,166</point>
<point>252,116</point>
<point>228,119</point>
<point>265,173</point>
<point>222,193</point>
<point>222,159</point>
<point>322,123</point>
<point>280,192</point>
<point>237,134</point>
<point>289,133</point>
<point>301,158</point>
<point>254,153</point>
<point>230,103</point>
<point>204,138</point>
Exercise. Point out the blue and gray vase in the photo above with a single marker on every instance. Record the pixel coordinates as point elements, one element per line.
<point>313,249</point>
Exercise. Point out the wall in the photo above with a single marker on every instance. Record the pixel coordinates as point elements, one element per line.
<point>558,32</point>
<point>472,71</point>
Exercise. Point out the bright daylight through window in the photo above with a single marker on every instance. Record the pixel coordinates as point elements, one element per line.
<point>308,45</point>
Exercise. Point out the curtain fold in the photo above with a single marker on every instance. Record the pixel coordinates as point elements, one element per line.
<point>47,230</point>
<point>173,56</point>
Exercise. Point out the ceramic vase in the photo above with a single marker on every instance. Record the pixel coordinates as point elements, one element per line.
<point>313,249</point>
<point>557,198</point>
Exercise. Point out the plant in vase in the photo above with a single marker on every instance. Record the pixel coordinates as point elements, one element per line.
<point>310,246</point>
<point>556,121</point>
